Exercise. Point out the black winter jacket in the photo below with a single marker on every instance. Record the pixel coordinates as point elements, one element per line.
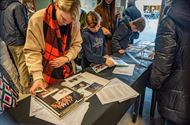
<point>121,37</point>
<point>13,22</point>
<point>170,73</point>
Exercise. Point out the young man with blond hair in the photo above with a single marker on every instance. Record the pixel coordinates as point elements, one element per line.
<point>52,43</point>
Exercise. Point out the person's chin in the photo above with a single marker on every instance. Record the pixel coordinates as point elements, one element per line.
<point>61,24</point>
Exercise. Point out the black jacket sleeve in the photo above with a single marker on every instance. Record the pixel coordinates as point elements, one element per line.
<point>165,49</point>
<point>21,19</point>
<point>118,35</point>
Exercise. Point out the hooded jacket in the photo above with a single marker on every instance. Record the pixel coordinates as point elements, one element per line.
<point>93,47</point>
<point>13,22</point>
<point>171,66</point>
<point>121,37</point>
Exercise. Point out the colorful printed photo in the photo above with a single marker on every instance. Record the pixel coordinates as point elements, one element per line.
<point>94,87</point>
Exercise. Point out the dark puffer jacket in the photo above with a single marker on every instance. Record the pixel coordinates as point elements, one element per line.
<point>13,22</point>
<point>170,73</point>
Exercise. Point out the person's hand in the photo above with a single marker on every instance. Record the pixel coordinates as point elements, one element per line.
<point>106,31</point>
<point>56,63</point>
<point>121,51</point>
<point>106,56</point>
<point>130,45</point>
<point>151,55</point>
<point>38,84</point>
<point>109,62</point>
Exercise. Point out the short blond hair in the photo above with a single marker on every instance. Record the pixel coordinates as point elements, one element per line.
<point>71,6</point>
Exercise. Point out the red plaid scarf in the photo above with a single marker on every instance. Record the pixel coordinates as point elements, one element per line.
<point>57,43</point>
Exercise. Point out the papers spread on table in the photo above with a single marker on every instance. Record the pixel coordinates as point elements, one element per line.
<point>128,70</point>
<point>116,90</point>
<point>74,117</point>
<point>86,83</point>
<point>62,98</point>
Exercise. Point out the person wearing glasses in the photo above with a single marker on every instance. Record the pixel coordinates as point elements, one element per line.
<point>53,41</point>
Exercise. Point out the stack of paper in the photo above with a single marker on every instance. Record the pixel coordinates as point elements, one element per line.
<point>116,90</point>
<point>74,117</point>
<point>128,70</point>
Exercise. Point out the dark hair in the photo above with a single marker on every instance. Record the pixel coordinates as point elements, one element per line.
<point>92,19</point>
<point>139,23</point>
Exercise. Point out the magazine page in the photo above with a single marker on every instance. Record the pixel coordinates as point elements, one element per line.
<point>59,99</point>
<point>98,67</point>
<point>85,83</point>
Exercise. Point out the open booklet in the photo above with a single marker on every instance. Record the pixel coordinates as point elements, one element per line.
<point>86,83</point>
<point>63,97</point>
<point>59,99</point>
<point>100,67</point>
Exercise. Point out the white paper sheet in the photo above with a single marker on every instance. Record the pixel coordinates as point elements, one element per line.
<point>86,83</point>
<point>116,90</point>
<point>125,70</point>
<point>74,117</point>
<point>35,107</point>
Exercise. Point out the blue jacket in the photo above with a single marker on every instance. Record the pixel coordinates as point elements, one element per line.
<point>93,47</point>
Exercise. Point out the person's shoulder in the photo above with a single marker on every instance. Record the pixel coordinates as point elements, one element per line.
<point>85,31</point>
<point>98,7</point>
<point>39,15</point>
<point>15,5</point>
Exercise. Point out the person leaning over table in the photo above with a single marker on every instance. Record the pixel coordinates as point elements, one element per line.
<point>132,13</point>
<point>121,37</point>
<point>52,43</point>
<point>93,45</point>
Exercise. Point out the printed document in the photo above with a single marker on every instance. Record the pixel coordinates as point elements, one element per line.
<point>116,90</point>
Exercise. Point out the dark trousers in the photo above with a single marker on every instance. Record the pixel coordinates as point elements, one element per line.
<point>170,123</point>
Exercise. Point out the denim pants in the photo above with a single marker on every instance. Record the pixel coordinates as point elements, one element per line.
<point>19,60</point>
